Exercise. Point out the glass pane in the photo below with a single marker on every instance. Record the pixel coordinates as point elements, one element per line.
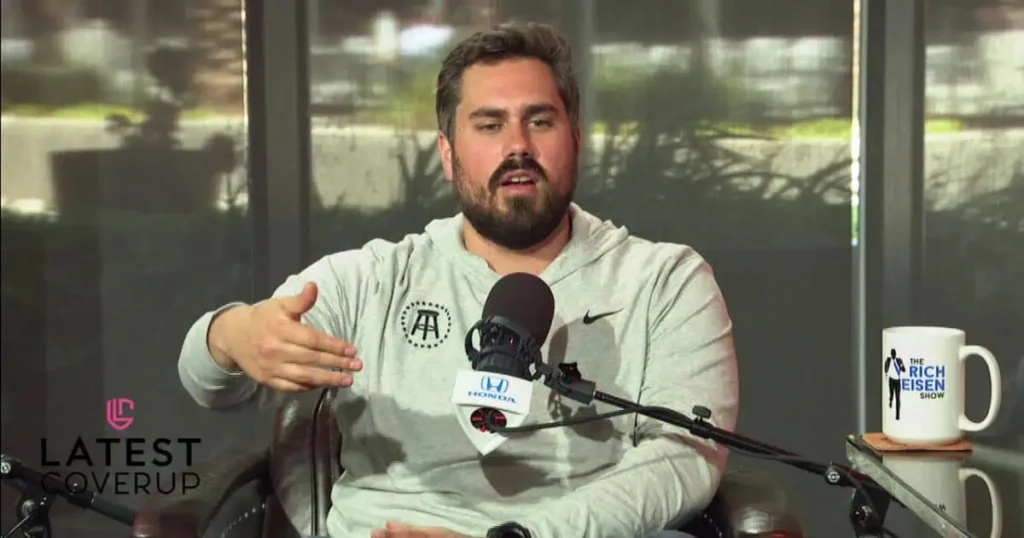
<point>124,217</point>
<point>974,202</point>
<point>722,124</point>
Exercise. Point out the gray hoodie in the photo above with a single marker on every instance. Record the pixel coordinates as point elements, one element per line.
<point>645,321</point>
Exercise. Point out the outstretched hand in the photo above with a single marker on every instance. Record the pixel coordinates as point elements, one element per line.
<point>273,346</point>
<point>394,529</point>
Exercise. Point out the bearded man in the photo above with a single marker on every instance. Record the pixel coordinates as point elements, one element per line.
<point>645,320</point>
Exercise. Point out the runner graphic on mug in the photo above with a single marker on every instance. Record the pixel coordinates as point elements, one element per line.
<point>895,373</point>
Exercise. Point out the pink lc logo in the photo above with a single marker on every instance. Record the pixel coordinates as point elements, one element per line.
<point>117,413</point>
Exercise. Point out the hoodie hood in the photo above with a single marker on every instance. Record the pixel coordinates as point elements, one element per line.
<point>591,238</point>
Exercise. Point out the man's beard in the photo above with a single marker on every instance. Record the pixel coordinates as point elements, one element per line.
<point>527,222</point>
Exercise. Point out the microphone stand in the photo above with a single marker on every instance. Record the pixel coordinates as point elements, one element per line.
<point>870,500</point>
<point>38,492</point>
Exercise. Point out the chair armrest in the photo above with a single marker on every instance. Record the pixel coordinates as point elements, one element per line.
<point>304,461</point>
<point>187,515</point>
<point>753,503</point>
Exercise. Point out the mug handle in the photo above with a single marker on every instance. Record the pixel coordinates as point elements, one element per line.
<point>967,424</point>
<point>993,493</point>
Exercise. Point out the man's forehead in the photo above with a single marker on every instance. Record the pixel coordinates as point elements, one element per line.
<point>510,85</point>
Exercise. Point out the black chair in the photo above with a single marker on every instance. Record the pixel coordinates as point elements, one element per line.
<point>284,491</point>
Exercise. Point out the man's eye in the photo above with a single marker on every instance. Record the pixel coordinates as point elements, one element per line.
<point>488,126</point>
<point>542,123</point>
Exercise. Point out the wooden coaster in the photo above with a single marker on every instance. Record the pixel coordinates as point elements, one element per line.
<point>881,443</point>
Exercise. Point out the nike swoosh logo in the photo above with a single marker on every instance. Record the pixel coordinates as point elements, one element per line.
<point>588,319</point>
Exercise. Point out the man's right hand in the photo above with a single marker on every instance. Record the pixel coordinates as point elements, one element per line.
<point>269,342</point>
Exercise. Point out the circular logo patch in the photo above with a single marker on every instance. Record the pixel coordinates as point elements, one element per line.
<point>425,324</point>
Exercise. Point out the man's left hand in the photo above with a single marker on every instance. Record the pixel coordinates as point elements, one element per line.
<point>393,529</point>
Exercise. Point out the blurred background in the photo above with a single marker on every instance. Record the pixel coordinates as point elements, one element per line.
<point>160,158</point>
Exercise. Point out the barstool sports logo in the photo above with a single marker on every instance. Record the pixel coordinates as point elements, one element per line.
<point>149,461</point>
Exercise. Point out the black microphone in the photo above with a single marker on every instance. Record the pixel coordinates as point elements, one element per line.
<point>515,323</point>
<point>509,350</point>
<point>38,490</point>
<point>503,349</point>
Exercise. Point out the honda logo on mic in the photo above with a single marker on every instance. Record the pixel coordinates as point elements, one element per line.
<point>494,384</point>
<point>493,388</point>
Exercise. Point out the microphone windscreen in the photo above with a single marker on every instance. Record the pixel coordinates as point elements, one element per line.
<point>526,300</point>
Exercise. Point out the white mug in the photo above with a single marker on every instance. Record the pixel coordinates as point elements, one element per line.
<point>923,385</point>
<point>942,480</point>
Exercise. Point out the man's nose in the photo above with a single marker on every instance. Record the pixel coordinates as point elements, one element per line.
<point>517,141</point>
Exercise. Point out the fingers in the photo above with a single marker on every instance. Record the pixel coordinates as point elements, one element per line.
<point>302,335</point>
<point>292,368</point>
<point>291,356</point>
<point>298,365</point>
<point>311,376</point>
<point>297,305</point>
<point>294,347</point>
<point>297,378</point>
<point>394,529</point>
<point>286,386</point>
<point>328,360</point>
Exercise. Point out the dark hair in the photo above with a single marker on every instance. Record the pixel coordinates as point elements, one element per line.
<point>506,41</point>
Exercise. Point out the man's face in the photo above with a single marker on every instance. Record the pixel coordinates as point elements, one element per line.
<point>514,159</point>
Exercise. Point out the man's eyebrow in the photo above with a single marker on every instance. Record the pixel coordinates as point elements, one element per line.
<point>497,113</point>
<point>545,108</point>
<point>487,112</point>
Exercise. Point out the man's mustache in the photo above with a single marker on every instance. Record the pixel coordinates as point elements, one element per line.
<point>512,164</point>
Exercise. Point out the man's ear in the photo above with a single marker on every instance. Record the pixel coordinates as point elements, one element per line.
<point>444,147</point>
